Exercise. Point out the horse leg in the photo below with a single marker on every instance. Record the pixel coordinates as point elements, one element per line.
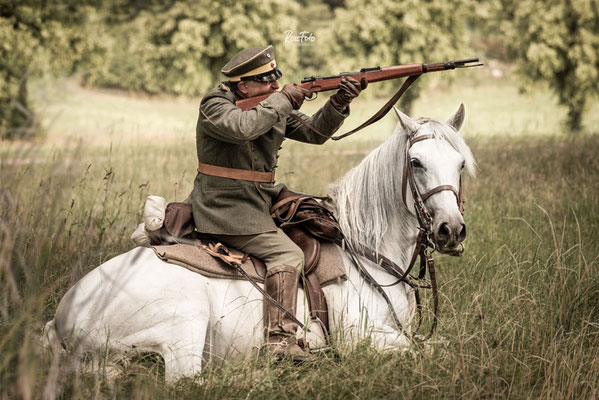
<point>389,339</point>
<point>183,351</point>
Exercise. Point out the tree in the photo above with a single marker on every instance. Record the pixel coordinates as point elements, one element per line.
<point>36,35</point>
<point>390,32</point>
<point>556,42</point>
<point>180,48</point>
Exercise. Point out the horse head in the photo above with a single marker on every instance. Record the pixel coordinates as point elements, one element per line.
<point>435,156</point>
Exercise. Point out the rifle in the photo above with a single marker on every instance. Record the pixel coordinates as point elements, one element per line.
<point>317,84</point>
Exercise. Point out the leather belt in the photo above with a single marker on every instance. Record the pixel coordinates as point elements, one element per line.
<point>233,173</point>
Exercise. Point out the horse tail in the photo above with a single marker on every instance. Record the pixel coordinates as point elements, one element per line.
<point>50,340</point>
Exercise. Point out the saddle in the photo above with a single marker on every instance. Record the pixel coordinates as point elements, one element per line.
<point>300,216</point>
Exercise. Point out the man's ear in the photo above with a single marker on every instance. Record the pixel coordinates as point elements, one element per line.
<point>242,87</point>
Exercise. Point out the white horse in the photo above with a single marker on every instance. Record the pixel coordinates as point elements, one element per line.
<point>138,303</point>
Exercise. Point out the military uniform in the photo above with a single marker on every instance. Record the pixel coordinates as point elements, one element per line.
<point>236,210</point>
<point>248,140</point>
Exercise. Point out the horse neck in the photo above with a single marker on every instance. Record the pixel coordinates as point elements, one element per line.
<point>368,203</point>
<point>398,244</point>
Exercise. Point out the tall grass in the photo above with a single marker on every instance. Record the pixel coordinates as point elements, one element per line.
<point>519,311</point>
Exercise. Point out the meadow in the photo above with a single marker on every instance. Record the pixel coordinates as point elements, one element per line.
<point>519,310</point>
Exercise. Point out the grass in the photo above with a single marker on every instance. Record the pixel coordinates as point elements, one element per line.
<point>519,311</point>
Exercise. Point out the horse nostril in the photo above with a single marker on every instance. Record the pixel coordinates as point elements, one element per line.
<point>462,233</point>
<point>444,231</point>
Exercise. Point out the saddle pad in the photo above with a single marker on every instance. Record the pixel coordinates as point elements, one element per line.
<point>329,270</point>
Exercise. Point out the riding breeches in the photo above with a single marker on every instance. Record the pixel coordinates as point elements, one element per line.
<point>273,248</point>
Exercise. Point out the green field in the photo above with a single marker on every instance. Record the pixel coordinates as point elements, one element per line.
<point>519,311</point>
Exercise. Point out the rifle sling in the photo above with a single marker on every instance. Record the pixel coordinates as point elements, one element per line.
<point>384,110</point>
<point>379,114</point>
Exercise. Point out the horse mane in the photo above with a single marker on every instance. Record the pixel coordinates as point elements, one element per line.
<point>369,196</point>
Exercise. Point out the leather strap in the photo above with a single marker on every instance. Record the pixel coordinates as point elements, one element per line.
<point>377,116</point>
<point>220,251</point>
<point>317,303</point>
<point>233,173</point>
<point>283,206</point>
<point>421,138</point>
<point>430,263</point>
<point>440,189</point>
<point>384,110</point>
<point>307,124</point>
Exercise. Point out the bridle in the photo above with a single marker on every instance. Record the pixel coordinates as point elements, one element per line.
<point>424,249</point>
<point>425,221</point>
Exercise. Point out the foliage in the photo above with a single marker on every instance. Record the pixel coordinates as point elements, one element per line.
<point>557,43</point>
<point>37,36</point>
<point>173,47</point>
<point>391,32</point>
<point>17,46</point>
<point>180,48</point>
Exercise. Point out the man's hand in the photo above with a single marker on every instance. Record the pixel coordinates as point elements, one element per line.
<point>295,94</point>
<point>349,89</point>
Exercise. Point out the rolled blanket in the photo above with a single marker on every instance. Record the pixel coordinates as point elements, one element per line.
<point>154,212</point>
<point>140,236</point>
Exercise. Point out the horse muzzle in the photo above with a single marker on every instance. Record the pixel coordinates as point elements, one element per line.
<point>449,236</point>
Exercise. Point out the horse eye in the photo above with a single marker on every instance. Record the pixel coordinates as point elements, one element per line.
<point>416,163</point>
<point>463,165</point>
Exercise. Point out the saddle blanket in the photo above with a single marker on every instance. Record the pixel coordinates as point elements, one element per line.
<point>329,270</point>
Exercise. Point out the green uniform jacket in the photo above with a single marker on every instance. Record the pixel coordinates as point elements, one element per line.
<point>229,137</point>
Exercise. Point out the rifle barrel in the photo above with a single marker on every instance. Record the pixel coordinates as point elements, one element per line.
<point>467,61</point>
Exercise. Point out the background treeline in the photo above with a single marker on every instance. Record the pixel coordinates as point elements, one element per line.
<point>178,47</point>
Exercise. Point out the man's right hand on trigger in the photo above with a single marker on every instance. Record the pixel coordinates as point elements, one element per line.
<point>295,94</point>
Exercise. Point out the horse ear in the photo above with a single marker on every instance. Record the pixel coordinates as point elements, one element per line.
<point>406,122</point>
<point>457,119</point>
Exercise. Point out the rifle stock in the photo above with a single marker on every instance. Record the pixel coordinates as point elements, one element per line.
<point>377,74</point>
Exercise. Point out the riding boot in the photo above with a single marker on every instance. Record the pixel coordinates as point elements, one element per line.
<point>281,284</point>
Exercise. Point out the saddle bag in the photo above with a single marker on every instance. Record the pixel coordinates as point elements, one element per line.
<point>178,223</point>
<point>300,210</point>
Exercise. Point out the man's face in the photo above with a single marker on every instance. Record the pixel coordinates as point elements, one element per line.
<point>254,88</point>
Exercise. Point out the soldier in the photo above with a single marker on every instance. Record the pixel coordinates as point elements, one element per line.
<point>234,188</point>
